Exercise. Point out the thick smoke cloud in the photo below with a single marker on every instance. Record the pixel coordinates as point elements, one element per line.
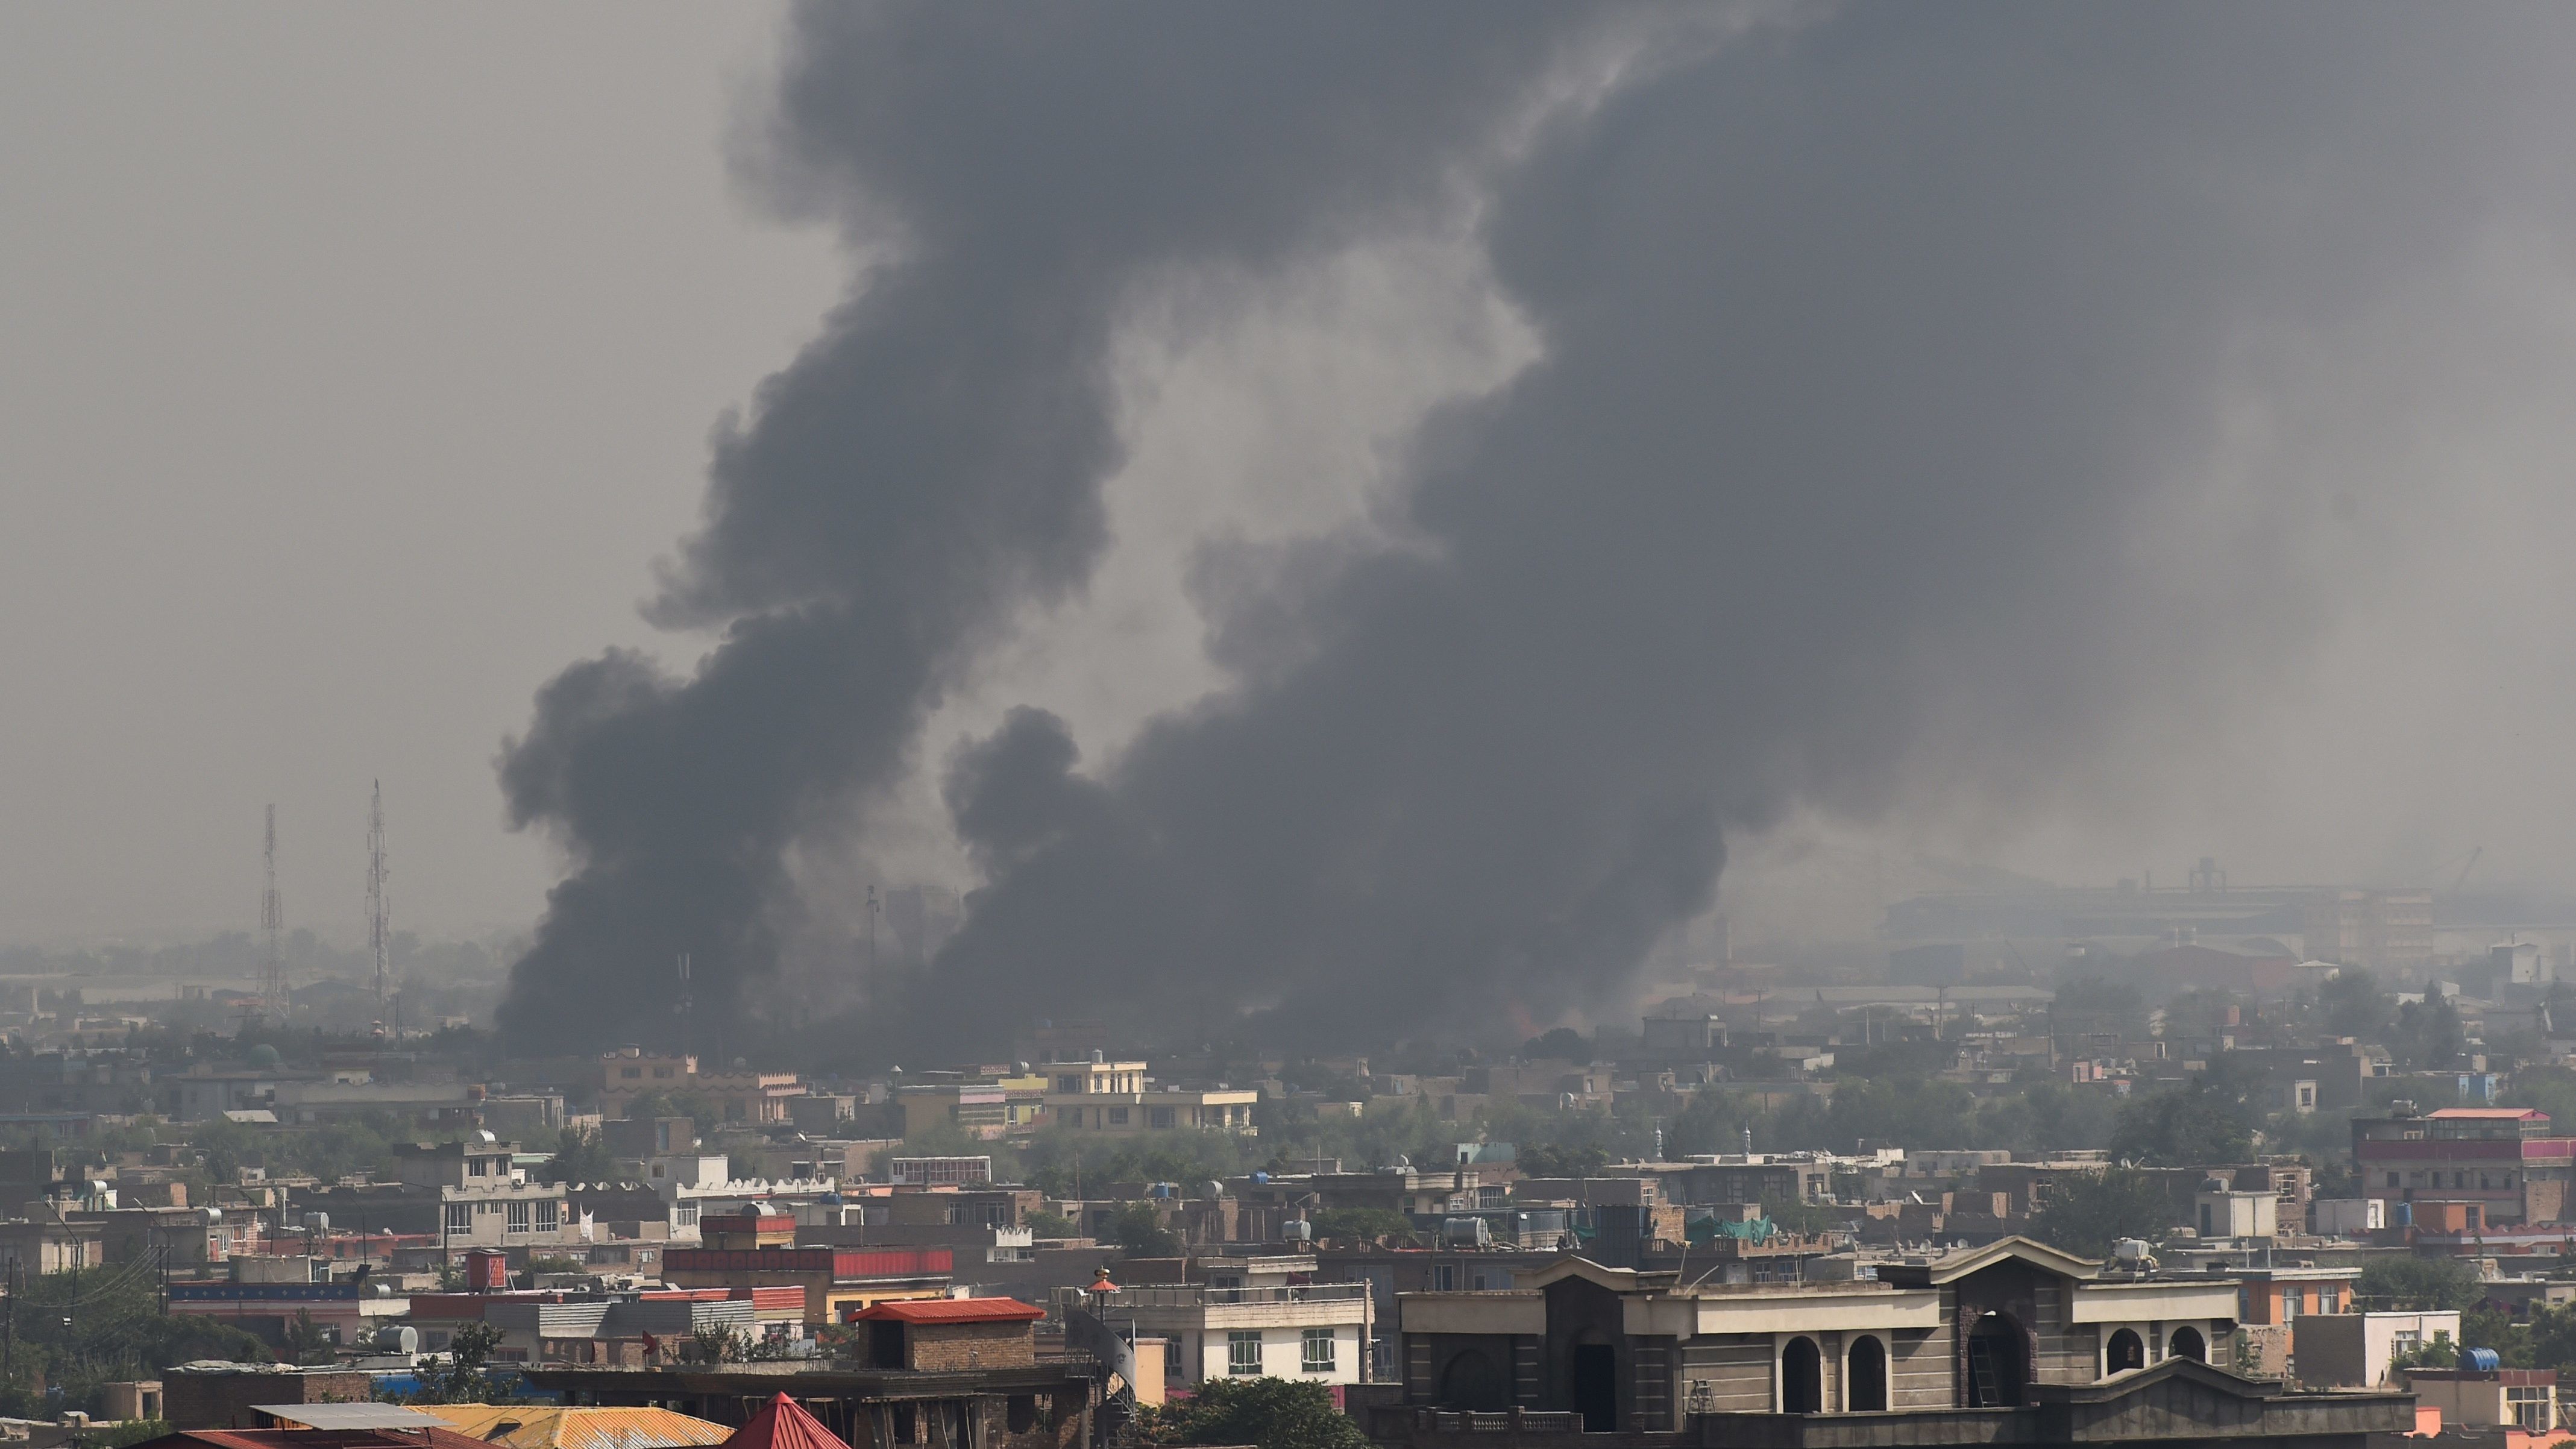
<point>1887,422</point>
<point>1897,364</point>
<point>934,459</point>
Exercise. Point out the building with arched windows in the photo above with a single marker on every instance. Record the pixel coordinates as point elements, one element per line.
<point>2016,1325</point>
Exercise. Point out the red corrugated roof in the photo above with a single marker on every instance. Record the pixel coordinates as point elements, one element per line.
<point>952,1310</point>
<point>784,1425</point>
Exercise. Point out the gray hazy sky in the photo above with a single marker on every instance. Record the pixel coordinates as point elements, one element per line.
<point>358,363</point>
<point>355,364</point>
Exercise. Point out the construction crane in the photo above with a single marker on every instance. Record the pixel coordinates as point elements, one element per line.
<point>2476,853</point>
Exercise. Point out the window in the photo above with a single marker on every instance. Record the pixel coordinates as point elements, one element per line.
<point>2290,1304</point>
<point>688,1215</point>
<point>631,1073</point>
<point>2459,1179</point>
<point>518,1217</point>
<point>661,1071</point>
<point>1117,1116</point>
<point>478,1167</point>
<point>1444,1278</point>
<point>549,1216</point>
<point>2528,1407</point>
<point>1318,1357</point>
<point>1068,1084</point>
<point>460,1217</point>
<point>1158,1116</point>
<point>2392,1179</point>
<point>1243,1352</point>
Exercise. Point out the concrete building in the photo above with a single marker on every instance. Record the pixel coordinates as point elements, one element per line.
<point>752,1097</point>
<point>837,1282</point>
<point>2505,1159</point>
<point>485,1200</point>
<point>1629,1351</point>
<point>2287,1295</point>
<point>1251,1318</point>
<point>347,1312</point>
<point>2356,1350</point>
<point>2489,1398</point>
<point>2385,931</point>
<point>2220,1212</point>
<point>1115,1099</point>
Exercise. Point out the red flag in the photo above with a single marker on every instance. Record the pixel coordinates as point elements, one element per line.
<point>652,1345</point>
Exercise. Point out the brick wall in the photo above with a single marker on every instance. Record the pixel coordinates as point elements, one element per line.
<point>223,1401</point>
<point>945,1346</point>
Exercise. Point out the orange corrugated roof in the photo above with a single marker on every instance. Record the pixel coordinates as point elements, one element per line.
<point>953,1310</point>
<point>553,1426</point>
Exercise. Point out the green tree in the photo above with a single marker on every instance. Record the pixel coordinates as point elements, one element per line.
<point>464,1378</point>
<point>2354,1006</point>
<point>2428,1036</point>
<point>2094,1005</point>
<point>2199,1125</point>
<point>1541,1159</point>
<point>580,1156</point>
<point>2087,1212</point>
<point>2550,1338</point>
<point>1361,1225</point>
<point>2417,1284</point>
<point>307,1342</point>
<point>1044,1224</point>
<point>1269,1413</point>
<point>1139,1229</point>
<point>81,1330</point>
<point>2436,1352</point>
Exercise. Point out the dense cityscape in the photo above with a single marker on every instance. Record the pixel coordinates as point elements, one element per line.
<point>1131,724</point>
<point>2304,1137</point>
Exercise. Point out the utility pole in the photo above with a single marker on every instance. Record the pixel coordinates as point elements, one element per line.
<point>683,1009</point>
<point>272,921</point>
<point>379,921</point>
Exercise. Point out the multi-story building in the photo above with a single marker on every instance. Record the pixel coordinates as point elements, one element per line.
<point>837,1282</point>
<point>758,1098</point>
<point>1245,1317</point>
<point>2380,930</point>
<point>1621,1351</point>
<point>2504,1159</point>
<point>487,1202</point>
<point>1117,1099</point>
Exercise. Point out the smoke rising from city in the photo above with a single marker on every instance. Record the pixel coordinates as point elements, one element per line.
<point>1925,403</point>
<point>935,458</point>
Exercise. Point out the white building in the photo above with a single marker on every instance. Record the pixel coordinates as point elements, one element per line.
<point>487,1202</point>
<point>1249,1320</point>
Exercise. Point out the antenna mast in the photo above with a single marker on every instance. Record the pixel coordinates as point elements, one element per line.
<point>379,920</point>
<point>272,920</point>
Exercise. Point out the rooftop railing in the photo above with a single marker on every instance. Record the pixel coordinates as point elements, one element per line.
<point>1195,1295</point>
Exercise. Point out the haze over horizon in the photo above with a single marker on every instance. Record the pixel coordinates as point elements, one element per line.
<point>357,374</point>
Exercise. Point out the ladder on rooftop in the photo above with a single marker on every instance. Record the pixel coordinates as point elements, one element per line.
<point>1985,1386</point>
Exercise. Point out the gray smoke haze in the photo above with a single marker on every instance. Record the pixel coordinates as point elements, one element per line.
<point>1919,396</point>
<point>935,459</point>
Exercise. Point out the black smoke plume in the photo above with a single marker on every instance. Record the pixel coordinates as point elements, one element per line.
<point>1012,177</point>
<point>1888,425</point>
